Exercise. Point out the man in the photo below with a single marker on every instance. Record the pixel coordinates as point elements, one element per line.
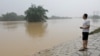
<point>85,33</point>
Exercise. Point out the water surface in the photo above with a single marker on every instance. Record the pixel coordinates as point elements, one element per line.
<point>19,38</point>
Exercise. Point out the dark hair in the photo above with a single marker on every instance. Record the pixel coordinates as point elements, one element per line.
<point>86,15</point>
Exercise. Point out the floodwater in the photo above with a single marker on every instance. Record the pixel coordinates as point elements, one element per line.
<point>19,38</point>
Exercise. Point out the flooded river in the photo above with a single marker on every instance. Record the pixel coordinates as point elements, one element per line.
<point>19,38</point>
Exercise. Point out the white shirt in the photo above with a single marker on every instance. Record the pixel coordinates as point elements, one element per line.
<point>86,23</point>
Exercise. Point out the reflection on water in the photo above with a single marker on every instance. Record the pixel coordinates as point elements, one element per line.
<point>9,25</point>
<point>24,39</point>
<point>36,29</point>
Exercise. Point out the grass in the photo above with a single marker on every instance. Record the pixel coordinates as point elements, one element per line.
<point>95,31</point>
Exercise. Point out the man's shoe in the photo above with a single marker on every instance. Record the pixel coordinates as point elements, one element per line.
<point>82,49</point>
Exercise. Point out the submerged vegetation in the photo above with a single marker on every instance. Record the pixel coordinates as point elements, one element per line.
<point>11,17</point>
<point>32,14</point>
<point>36,14</point>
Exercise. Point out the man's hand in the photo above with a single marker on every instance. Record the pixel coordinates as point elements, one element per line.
<point>81,27</point>
<point>86,27</point>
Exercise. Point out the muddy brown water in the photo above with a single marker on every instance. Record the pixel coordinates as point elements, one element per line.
<point>19,38</point>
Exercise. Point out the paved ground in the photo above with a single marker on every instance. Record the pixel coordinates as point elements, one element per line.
<point>71,49</point>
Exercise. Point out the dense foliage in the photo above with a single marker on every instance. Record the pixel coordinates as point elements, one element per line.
<point>11,17</point>
<point>36,14</point>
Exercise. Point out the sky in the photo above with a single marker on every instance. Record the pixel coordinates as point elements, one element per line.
<point>73,8</point>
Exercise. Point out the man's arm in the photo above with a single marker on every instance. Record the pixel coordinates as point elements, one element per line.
<point>86,27</point>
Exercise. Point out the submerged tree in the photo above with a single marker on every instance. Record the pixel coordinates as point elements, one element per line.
<point>12,16</point>
<point>36,14</point>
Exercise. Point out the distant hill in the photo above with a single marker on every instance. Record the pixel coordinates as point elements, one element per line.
<point>57,17</point>
<point>95,17</point>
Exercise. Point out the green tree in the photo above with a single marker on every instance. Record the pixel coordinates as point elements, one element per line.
<point>36,14</point>
<point>11,17</point>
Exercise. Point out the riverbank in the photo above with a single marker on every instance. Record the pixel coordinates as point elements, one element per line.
<point>71,49</point>
<point>95,31</point>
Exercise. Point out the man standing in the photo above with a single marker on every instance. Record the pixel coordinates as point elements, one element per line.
<point>85,33</point>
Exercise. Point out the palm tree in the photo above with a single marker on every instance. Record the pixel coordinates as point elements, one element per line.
<point>36,14</point>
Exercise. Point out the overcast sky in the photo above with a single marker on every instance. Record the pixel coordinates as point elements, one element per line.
<point>55,7</point>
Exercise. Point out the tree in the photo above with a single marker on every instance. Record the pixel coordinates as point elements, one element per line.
<point>11,17</point>
<point>36,14</point>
